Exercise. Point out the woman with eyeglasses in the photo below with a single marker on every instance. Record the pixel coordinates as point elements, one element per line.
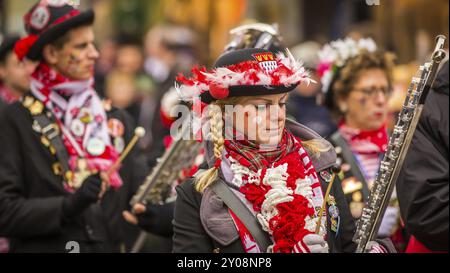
<point>356,79</point>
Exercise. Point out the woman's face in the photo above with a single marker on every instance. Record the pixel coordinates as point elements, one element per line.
<point>261,119</point>
<point>365,107</point>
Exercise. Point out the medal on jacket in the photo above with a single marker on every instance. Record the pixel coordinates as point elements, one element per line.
<point>119,144</point>
<point>36,108</point>
<point>95,146</point>
<point>27,101</point>
<point>357,196</point>
<point>350,185</point>
<point>326,176</point>
<point>115,128</point>
<point>86,116</point>
<point>77,128</point>
<point>36,127</point>
<point>80,173</point>
<point>333,211</point>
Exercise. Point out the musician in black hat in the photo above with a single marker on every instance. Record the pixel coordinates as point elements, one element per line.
<point>14,74</point>
<point>61,188</point>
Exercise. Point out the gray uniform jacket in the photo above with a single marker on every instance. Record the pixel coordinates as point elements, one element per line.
<point>203,224</point>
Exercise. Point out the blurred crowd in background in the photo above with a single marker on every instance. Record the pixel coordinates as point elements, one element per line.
<point>143,45</point>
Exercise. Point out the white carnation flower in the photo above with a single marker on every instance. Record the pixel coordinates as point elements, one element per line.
<point>339,52</point>
<point>326,80</point>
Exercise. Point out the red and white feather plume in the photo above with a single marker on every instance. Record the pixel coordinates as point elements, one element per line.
<point>265,70</point>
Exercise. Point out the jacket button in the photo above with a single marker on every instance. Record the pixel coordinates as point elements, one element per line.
<point>89,230</point>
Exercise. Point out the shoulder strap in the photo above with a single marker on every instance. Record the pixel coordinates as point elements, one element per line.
<point>242,212</point>
<point>350,159</point>
<point>52,132</point>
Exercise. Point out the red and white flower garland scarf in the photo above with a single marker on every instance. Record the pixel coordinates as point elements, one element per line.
<point>65,98</point>
<point>286,195</point>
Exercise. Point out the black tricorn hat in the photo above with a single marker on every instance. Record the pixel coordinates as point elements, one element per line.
<point>45,22</point>
<point>243,72</point>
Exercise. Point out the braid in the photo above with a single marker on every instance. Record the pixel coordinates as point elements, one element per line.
<point>216,121</point>
<point>206,178</point>
<point>316,146</point>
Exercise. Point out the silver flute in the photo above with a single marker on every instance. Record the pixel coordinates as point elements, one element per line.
<point>399,142</point>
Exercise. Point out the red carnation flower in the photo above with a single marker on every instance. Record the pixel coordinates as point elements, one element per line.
<point>255,194</point>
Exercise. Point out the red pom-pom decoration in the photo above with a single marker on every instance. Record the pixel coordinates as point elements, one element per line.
<point>218,92</point>
<point>22,46</point>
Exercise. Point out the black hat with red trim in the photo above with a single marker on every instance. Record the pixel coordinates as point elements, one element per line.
<point>45,22</point>
<point>243,72</point>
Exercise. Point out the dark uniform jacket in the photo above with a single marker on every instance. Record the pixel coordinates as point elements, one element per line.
<point>31,194</point>
<point>202,223</point>
<point>354,184</point>
<point>422,187</point>
<point>2,105</point>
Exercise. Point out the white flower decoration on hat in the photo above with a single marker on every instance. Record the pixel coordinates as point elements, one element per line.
<point>335,55</point>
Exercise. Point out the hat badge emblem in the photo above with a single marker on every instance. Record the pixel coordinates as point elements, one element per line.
<point>266,61</point>
<point>40,17</point>
<point>57,3</point>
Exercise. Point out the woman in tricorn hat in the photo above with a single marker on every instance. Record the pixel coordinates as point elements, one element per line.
<point>265,180</point>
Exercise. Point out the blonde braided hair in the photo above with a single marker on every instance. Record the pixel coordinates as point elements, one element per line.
<point>206,178</point>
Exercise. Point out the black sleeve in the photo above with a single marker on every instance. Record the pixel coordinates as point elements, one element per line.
<point>140,172</point>
<point>162,215</point>
<point>21,216</point>
<point>347,226</point>
<point>189,235</point>
<point>162,219</point>
<point>422,187</point>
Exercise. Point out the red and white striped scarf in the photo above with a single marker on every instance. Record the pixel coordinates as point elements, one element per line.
<point>365,142</point>
<point>283,188</point>
<point>65,98</point>
<point>250,154</point>
<point>367,146</point>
